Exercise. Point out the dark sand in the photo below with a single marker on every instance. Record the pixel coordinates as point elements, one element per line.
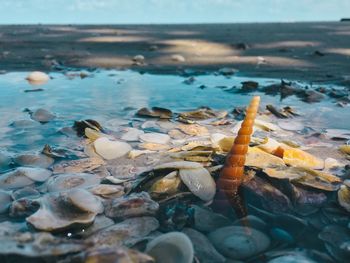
<point>300,51</point>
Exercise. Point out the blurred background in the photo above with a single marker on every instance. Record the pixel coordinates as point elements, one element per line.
<point>169,11</point>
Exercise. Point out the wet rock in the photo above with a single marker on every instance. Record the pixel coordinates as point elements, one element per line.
<point>23,176</point>
<point>203,249</point>
<point>136,204</point>
<point>227,71</point>
<point>127,232</point>
<point>253,221</point>
<point>109,149</point>
<point>34,160</point>
<point>62,182</point>
<point>99,223</point>
<point>53,214</point>
<point>239,242</point>
<point>175,246</point>
<point>42,115</point>
<point>206,220</point>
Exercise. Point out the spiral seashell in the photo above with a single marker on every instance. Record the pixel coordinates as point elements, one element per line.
<point>231,175</point>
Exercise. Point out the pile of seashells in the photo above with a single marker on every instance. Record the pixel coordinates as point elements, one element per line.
<point>145,192</point>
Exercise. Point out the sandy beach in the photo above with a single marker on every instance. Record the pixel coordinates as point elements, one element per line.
<point>301,51</point>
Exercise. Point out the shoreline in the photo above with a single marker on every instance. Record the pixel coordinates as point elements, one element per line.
<point>305,51</point>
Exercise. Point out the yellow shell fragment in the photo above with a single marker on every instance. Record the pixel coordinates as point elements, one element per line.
<point>258,158</point>
<point>297,157</point>
<point>344,197</point>
<point>168,184</point>
<point>93,135</point>
<point>225,144</point>
<point>345,149</point>
<point>269,145</point>
<point>193,129</point>
<point>154,146</point>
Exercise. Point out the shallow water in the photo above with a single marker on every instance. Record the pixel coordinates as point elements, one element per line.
<point>113,97</point>
<point>106,95</point>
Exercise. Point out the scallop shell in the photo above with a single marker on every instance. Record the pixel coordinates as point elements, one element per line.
<point>53,214</point>
<point>199,182</point>
<point>237,242</point>
<point>176,247</point>
<point>110,150</point>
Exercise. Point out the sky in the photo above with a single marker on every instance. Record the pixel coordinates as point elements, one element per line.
<point>169,11</point>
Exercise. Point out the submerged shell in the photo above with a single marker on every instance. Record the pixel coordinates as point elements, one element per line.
<point>78,166</point>
<point>344,197</point>
<point>176,247</point>
<point>23,176</point>
<point>238,242</point>
<point>111,149</point>
<point>62,182</point>
<point>53,214</point>
<point>34,160</point>
<point>199,182</point>
<point>42,115</point>
<point>204,250</point>
<point>154,137</point>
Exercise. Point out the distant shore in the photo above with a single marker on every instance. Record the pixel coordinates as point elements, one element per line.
<point>316,52</point>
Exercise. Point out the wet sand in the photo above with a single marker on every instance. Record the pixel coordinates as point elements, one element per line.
<point>301,51</point>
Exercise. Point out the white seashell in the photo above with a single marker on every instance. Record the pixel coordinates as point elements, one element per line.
<point>135,153</point>
<point>175,247</point>
<point>291,125</point>
<point>37,77</point>
<point>200,182</point>
<point>63,182</point>
<point>85,202</point>
<point>178,58</point>
<point>111,149</point>
<point>154,137</point>
<point>238,242</point>
<point>132,135</point>
<point>215,138</point>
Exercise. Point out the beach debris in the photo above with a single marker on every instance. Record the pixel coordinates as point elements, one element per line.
<point>155,112</point>
<point>175,246</point>
<point>277,113</point>
<point>178,58</point>
<point>109,149</point>
<point>231,175</point>
<point>23,176</point>
<point>236,242</point>
<point>42,115</point>
<point>37,78</point>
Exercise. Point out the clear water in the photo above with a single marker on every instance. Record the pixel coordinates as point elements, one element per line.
<point>106,95</point>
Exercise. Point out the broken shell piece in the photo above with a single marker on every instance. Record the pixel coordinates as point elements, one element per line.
<point>110,150</point>
<point>297,157</point>
<point>154,146</point>
<point>131,134</point>
<point>53,214</point>
<point>154,137</point>
<point>78,166</point>
<point>23,176</point>
<point>238,242</point>
<point>169,184</point>
<point>176,247</point>
<point>193,129</point>
<point>344,197</point>
<point>345,149</point>
<point>199,182</point>
<point>136,204</point>
<point>92,134</point>
<point>136,153</point>
<point>62,182</point>
<point>259,158</point>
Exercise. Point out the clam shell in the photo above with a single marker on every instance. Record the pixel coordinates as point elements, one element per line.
<point>238,242</point>
<point>78,166</point>
<point>176,247</point>
<point>297,157</point>
<point>62,182</point>
<point>53,214</point>
<point>178,165</point>
<point>108,190</point>
<point>169,184</point>
<point>111,149</point>
<point>23,176</point>
<point>199,182</point>
<point>42,115</point>
<point>37,77</point>
<point>154,137</point>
